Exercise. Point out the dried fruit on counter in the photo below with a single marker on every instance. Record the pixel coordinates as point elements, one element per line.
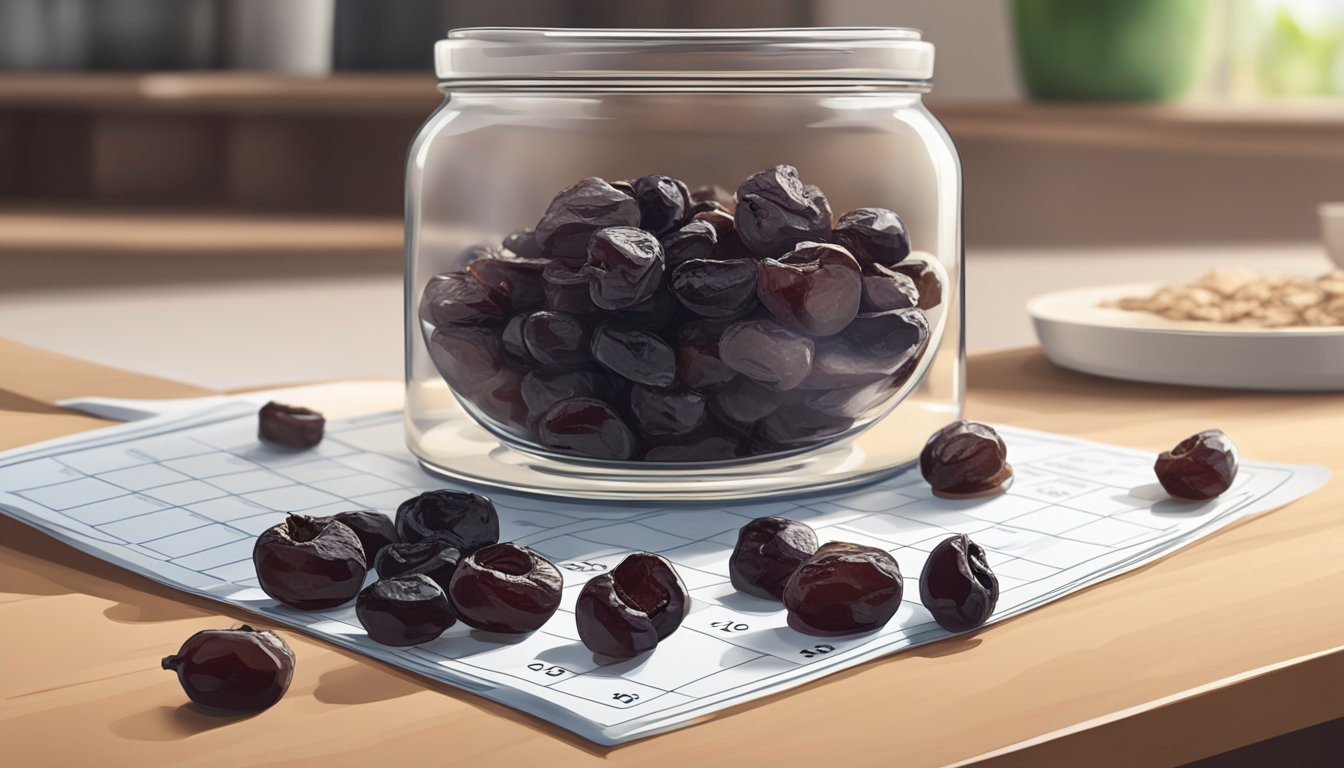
<point>467,521</point>
<point>505,588</point>
<point>1200,467</point>
<point>628,611</point>
<point>404,610</point>
<point>240,670</point>
<point>373,529</point>
<point>843,589</point>
<point>433,557</point>
<point>965,459</point>
<point>289,426</point>
<point>768,551</point>
<point>310,563</point>
<point>957,585</point>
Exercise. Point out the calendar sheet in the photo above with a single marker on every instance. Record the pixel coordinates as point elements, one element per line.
<point>180,498</point>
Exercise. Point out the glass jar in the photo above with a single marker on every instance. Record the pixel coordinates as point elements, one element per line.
<point>588,316</point>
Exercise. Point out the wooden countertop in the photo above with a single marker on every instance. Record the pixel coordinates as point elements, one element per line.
<point>1236,639</point>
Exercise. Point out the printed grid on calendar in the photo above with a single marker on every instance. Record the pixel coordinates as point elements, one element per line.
<point>181,499</point>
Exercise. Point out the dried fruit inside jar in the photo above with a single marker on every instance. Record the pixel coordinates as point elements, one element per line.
<point>640,321</point>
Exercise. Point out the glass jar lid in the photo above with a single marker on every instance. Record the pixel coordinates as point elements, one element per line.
<point>512,55</point>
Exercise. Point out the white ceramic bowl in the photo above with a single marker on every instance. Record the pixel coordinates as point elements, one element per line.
<point>1332,230</point>
<point>1077,332</point>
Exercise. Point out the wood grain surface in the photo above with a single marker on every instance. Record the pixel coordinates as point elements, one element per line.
<point>1232,640</point>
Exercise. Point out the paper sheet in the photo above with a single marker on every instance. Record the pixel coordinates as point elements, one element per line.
<point>180,498</point>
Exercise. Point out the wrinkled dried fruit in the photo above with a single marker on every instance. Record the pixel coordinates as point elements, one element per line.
<point>512,339</point>
<point>713,288</point>
<point>926,279</point>
<point>624,267</point>
<point>776,211</point>
<point>523,244</point>
<point>505,588</point>
<point>557,340</point>
<point>768,551</point>
<point>289,426</point>
<point>767,352</point>
<point>579,211</point>
<point>666,411</point>
<point>626,612</point>
<point>567,289</point>
<point>891,338</point>
<point>309,563</point>
<point>405,610</point>
<point>467,357</point>
<point>544,388</point>
<point>815,289</point>
<point>433,557</point>
<point>501,401</point>
<point>467,521</point>
<point>662,203</point>
<point>965,458</point>
<point>873,235</point>
<point>957,585</point>
<point>457,298</point>
<point>373,529</point>
<point>698,364</point>
<point>236,670</point>
<point>789,428</point>
<point>1200,467</point>
<point>585,426</point>
<point>844,588</point>
<point>697,446</point>
<point>696,240</point>
<point>519,278</point>
<point>742,402</point>
<point>639,356</point>
<point>884,289</point>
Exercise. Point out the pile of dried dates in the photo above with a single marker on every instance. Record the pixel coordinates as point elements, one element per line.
<point>644,321</point>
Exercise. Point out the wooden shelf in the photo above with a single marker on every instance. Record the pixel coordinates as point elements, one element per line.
<point>221,92</point>
<point>35,231</point>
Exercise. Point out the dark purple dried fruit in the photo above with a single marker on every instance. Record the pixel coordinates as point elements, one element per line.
<point>505,588</point>
<point>873,235</point>
<point>926,281</point>
<point>842,589</point>
<point>240,670</point>
<point>467,357</point>
<point>776,211</point>
<point>890,338</point>
<point>667,411</point>
<point>713,288</point>
<point>768,551</point>
<point>523,244</point>
<point>373,529</point>
<point>519,278</point>
<point>815,289</point>
<point>309,563</point>
<point>467,521</point>
<point>544,388</point>
<point>628,611</point>
<point>743,402</point>
<point>885,289</point>
<point>624,267</point>
<point>557,340</point>
<point>653,314</point>
<point>965,459</point>
<point>767,352</point>
<point>957,585</point>
<point>1200,467</point>
<point>579,211</point>
<point>402,611</point>
<point>289,426</point>
<point>585,426</point>
<point>457,298</point>
<point>696,240</point>
<point>567,289</point>
<point>639,356</point>
<point>796,427</point>
<point>853,402</point>
<point>501,401</point>
<point>433,557</point>
<point>662,203</point>
<point>698,364</point>
<point>512,338</point>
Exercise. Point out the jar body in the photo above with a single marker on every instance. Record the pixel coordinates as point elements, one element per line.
<point>488,164</point>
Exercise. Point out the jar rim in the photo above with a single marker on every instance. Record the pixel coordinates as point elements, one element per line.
<point>787,54</point>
